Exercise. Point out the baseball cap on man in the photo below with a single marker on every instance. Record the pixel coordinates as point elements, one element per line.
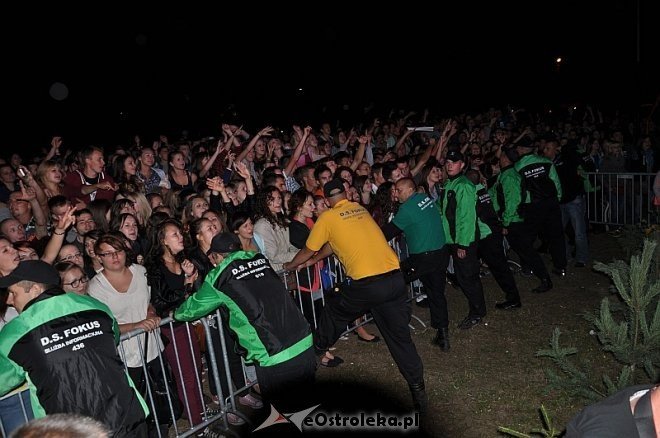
<point>525,142</point>
<point>225,243</point>
<point>454,156</point>
<point>333,187</point>
<point>31,270</point>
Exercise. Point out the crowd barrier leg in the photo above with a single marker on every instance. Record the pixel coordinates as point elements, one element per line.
<point>227,403</point>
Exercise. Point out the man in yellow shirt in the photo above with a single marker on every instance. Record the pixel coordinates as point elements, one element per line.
<point>374,283</point>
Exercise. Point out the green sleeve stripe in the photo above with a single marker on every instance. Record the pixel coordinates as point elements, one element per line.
<point>48,310</point>
<point>37,410</point>
<point>299,347</point>
<point>208,298</point>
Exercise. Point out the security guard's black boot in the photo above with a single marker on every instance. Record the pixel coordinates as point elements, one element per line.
<point>441,339</point>
<point>420,401</point>
<point>545,286</point>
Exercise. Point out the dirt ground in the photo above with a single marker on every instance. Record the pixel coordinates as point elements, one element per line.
<point>490,378</point>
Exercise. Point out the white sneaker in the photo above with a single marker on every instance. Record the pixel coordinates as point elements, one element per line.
<point>250,401</point>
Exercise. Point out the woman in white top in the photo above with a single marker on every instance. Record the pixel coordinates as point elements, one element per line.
<point>273,227</point>
<point>123,287</point>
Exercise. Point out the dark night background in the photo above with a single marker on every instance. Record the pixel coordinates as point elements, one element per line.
<point>137,70</point>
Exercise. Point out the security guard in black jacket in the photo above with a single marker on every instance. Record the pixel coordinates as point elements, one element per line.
<point>65,346</point>
<point>508,197</point>
<point>491,245</point>
<point>541,209</point>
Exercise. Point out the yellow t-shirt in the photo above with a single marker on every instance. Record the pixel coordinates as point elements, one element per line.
<point>355,238</point>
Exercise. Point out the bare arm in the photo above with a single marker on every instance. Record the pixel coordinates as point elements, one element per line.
<point>55,144</point>
<point>244,173</point>
<point>57,238</point>
<point>359,154</point>
<point>291,165</point>
<point>450,129</point>
<point>422,161</point>
<point>38,190</point>
<point>398,147</point>
<point>218,149</point>
<point>267,130</point>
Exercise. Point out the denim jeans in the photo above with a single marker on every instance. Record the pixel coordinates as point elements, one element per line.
<point>13,413</point>
<point>574,212</point>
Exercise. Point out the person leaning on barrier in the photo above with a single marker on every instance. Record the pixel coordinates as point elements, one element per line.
<point>419,219</point>
<point>375,283</point>
<point>65,345</point>
<point>269,328</point>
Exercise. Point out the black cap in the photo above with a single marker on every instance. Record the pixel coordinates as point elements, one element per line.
<point>525,142</point>
<point>512,154</point>
<point>333,188</point>
<point>225,243</point>
<point>454,156</point>
<point>31,270</point>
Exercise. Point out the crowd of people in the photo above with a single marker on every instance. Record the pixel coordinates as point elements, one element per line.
<point>134,227</point>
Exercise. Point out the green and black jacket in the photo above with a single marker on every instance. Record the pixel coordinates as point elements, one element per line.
<point>539,177</point>
<point>458,205</point>
<point>508,195</point>
<point>65,346</point>
<point>264,319</point>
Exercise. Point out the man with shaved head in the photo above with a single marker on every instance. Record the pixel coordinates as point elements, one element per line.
<point>419,219</point>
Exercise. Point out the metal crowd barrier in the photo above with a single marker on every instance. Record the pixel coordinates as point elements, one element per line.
<point>184,427</point>
<point>304,288</point>
<point>335,275</point>
<point>621,198</point>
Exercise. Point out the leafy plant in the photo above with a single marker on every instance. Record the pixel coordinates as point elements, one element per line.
<point>633,340</point>
<point>548,431</point>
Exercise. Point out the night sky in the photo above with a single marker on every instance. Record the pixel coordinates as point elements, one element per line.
<point>136,70</point>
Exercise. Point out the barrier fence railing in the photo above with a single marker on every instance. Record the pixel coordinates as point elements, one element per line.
<point>621,198</point>
<point>177,348</point>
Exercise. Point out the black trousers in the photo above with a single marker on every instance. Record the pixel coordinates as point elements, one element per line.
<point>386,298</point>
<point>523,244</point>
<point>544,217</point>
<point>431,269</point>
<point>288,385</point>
<point>467,274</point>
<point>491,250</point>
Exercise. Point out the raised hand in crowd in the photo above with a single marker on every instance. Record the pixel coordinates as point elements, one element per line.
<point>189,270</point>
<point>32,183</point>
<point>58,235</point>
<point>55,144</point>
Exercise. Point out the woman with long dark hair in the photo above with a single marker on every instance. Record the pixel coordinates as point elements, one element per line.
<point>273,227</point>
<point>172,278</point>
